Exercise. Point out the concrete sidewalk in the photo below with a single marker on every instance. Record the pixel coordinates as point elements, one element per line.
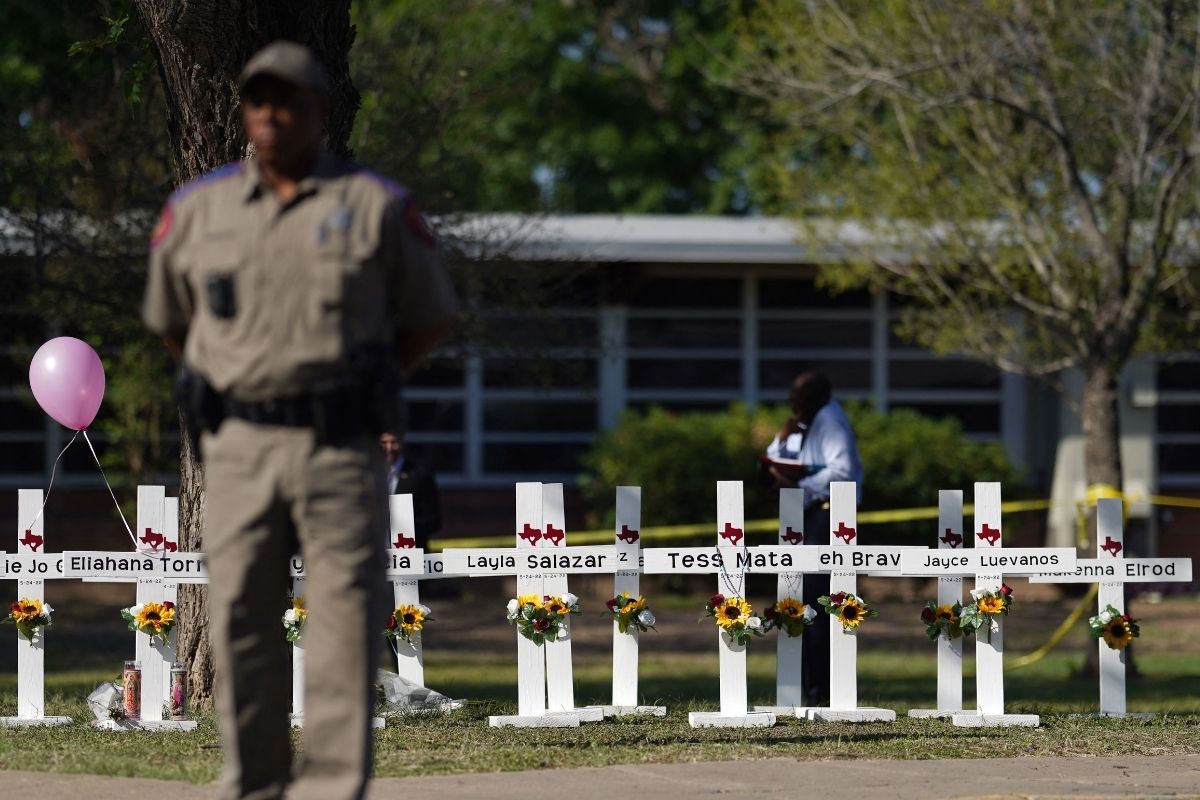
<point>1134,776</point>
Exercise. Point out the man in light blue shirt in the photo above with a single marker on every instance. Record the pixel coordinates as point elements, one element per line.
<point>817,435</point>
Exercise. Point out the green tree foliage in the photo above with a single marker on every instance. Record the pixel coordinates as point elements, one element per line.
<point>83,163</point>
<point>558,105</point>
<point>677,459</point>
<point>1025,171</point>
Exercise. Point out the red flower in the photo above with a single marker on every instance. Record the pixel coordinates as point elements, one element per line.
<point>168,604</point>
<point>716,600</point>
<point>771,613</point>
<point>541,625</point>
<point>837,599</point>
<point>1005,589</point>
<point>1127,618</point>
<point>611,604</point>
<point>391,623</point>
<point>927,614</point>
<point>15,607</point>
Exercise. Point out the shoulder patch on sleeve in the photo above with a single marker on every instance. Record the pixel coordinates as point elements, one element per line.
<point>163,227</point>
<point>416,222</point>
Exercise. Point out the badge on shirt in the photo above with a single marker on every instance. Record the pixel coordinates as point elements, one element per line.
<point>338,222</point>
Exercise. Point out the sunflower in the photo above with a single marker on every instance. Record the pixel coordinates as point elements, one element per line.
<point>156,618</point>
<point>945,614</point>
<point>790,607</point>
<point>27,609</point>
<point>555,605</point>
<point>732,611</point>
<point>529,599</point>
<point>410,618</point>
<point>1118,634</point>
<point>633,604</point>
<point>990,604</point>
<point>851,612</point>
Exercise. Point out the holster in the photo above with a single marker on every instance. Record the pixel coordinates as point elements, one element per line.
<point>202,407</point>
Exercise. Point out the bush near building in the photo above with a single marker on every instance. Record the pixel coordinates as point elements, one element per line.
<point>677,458</point>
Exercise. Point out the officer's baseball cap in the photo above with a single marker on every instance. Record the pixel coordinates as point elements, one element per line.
<point>287,61</point>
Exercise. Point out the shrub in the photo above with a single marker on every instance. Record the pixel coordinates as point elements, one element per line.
<point>677,458</point>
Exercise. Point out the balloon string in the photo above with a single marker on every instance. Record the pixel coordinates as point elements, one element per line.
<point>53,472</point>
<point>128,530</point>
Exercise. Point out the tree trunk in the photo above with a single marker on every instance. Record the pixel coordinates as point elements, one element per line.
<point>201,46</point>
<point>1100,415</point>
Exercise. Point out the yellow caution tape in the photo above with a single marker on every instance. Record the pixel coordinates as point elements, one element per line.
<point>667,533</point>
<point>1060,633</point>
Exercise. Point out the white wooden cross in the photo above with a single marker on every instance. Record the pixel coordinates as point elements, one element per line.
<point>731,559</point>
<point>949,651</point>
<point>541,562</point>
<point>403,564</point>
<point>989,561</point>
<point>627,535</point>
<point>789,692</point>
<point>31,567</point>
<point>402,541</point>
<point>1113,571</point>
<point>844,564</point>
<point>156,568</point>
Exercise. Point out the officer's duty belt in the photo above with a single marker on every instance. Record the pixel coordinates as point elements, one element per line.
<point>335,412</point>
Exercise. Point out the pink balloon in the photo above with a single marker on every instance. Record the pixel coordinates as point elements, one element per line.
<point>67,380</point>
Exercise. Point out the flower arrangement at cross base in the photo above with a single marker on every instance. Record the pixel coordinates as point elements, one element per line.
<point>850,609</point>
<point>294,618</point>
<point>630,611</point>
<point>30,615</point>
<point>154,619</point>
<point>406,623</point>
<point>986,606</point>
<point>543,618</point>
<point>944,619</point>
<point>789,615</point>
<point>734,616</point>
<point>1116,629</point>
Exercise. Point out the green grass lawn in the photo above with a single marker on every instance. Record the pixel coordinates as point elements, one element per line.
<point>462,741</point>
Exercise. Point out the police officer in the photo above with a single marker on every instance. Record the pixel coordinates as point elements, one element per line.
<point>290,284</point>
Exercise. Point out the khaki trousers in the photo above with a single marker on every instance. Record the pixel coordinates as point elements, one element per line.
<point>267,487</point>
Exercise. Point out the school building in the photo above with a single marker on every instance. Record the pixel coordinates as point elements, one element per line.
<point>573,319</point>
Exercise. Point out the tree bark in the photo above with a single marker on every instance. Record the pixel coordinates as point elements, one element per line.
<point>201,46</point>
<point>1100,415</point>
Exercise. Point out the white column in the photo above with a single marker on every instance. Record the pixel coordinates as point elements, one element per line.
<point>989,640</point>
<point>612,375</point>
<point>150,506</point>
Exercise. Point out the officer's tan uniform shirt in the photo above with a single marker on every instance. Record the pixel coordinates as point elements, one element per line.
<point>269,298</point>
